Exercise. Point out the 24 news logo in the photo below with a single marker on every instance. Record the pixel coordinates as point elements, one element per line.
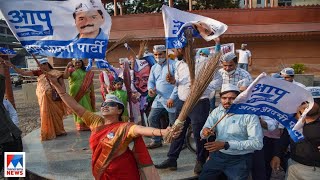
<point>14,164</point>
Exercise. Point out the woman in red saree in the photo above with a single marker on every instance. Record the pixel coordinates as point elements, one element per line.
<point>111,157</point>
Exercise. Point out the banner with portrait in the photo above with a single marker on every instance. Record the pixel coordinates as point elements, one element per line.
<point>61,28</point>
<point>176,21</point>
<point>275,98</point>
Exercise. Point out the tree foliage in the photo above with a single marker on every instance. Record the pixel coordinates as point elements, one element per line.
<point>154,6</point>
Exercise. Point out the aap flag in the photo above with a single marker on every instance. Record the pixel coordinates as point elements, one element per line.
<point>225,48</point>
<point>275,98</point>
<point>103,64</point>
<point>63,29</point>
<point>176,21</point>
<point>8,52</point>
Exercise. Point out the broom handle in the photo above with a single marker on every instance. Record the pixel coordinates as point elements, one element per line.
<point>218,122</point>
<point>168,61</point>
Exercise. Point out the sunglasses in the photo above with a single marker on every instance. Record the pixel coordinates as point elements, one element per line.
<point>110,104</point>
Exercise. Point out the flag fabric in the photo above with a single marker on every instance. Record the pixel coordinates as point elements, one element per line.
<point>63,29</point>
<point>225,48</point>
<point>149,57</point>
<point>176,21</point>
<point>103,64</point>
<point>9,52</point>
<point>275,98</point>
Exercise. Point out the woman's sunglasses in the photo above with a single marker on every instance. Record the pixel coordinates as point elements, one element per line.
<point>110,104</point>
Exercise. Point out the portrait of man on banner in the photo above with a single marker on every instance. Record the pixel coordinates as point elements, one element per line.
<point>88,19</point>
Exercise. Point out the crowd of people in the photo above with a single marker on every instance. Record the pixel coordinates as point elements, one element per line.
<point>240,146</point>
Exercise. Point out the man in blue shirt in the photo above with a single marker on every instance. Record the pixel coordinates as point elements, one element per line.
<point>159,87</point>
<point>237,137</point>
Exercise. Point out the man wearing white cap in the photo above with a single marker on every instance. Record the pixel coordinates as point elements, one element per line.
<point>196,117</point>
<point>88,19</point>
<point>159,87</point>
<point>237,137</point>
<point>244,57</point>
<point>230,73</point>
<point>304,162</point>
<point>288,75</point>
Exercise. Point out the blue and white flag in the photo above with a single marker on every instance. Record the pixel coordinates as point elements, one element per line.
<point>103,64</point>
<point>63,29</point>
<point>9,52</point>
<point>175,21</point>
<point>225,48</point>
<point>275,98</point>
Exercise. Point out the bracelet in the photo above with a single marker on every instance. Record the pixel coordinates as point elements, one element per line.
<point>160,132</point>
<point>153,131</point>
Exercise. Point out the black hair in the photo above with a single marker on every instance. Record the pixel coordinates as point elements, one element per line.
<point>120,106</point>
<point>117,80</point>
<point>82,65</point>
<point>235,60</point>
<point>317,100</point>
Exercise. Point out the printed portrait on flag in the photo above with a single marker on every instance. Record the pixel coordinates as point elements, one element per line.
<point>176,21</point>
<point>63,29</point>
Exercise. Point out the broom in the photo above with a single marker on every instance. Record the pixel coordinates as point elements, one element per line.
<point>189,55</point>
<point>201,82</point>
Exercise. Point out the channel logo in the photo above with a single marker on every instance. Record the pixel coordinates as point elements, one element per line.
<point>14,164</point>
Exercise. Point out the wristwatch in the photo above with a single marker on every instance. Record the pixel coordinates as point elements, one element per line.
<point>226,146</point>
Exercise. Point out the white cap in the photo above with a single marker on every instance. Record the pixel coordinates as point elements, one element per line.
<point>315,91</point>
<point>43,60</point>
<point>122,60</point>
<point>159,48</point>
<point>229,87</point>
<point>140,64</point>
<point>113,98</point>
<point>228,57</point>
<point>243,45</point>
<point>287,71</point>
<point>86,5</point>
<point>76,59</point>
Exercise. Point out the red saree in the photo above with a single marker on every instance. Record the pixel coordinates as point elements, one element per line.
<point>111,157</point>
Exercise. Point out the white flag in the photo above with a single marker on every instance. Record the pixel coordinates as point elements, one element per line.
<point>64,29</point>
<point>275,98</point>
<point>175,21</point>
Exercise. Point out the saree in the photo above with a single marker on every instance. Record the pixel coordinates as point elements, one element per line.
<point>81,88</point>
<point>51,112</point>
<point>111,157</point>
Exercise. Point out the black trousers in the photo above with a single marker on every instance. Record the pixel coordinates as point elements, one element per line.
<point>13,146</point>
<point>197,117</point>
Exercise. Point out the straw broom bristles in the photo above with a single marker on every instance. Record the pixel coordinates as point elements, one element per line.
<point>121,41</point>
<point>201,83</point>
<point>189,55</point>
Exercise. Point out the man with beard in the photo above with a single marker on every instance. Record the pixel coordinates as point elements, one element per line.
<point>304,162</point>
<point>237,137</point>
<point>88,19</point>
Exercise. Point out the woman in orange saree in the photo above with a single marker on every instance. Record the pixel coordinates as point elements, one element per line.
<point>51,112</point>
<point>112,159</point>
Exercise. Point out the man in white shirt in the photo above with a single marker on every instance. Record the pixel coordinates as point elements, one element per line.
<point>244,57</point>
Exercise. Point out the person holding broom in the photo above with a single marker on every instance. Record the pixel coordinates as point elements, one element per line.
<point>237,137</point>
<point>196,117</point>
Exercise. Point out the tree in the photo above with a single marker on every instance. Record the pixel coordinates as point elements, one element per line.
<point>154,6</point>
